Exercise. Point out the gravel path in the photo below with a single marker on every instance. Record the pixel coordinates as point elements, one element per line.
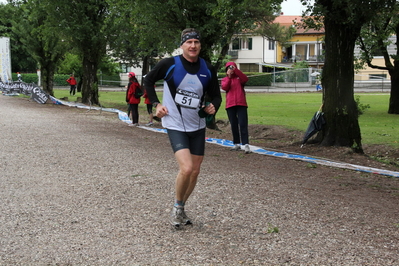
<point>82,188</point>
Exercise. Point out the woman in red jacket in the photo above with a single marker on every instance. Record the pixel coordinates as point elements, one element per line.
<point>236,105</point>
<point>132,100</point>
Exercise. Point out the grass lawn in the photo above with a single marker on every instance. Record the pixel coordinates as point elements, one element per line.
<point>292,110</point>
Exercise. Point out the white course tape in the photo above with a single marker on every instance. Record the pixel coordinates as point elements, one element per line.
<point>228,143</point>
<point>254,149</point>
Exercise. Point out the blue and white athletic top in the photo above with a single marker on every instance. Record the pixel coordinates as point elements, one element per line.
<point>185,84</point>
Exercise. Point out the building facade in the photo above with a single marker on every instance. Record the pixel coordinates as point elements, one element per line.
<point>253,53</point>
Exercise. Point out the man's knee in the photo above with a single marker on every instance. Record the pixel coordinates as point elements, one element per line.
<point>186,170</point>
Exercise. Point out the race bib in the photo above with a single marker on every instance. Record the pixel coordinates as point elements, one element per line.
<point>187,99</point>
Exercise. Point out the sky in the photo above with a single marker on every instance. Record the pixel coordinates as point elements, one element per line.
<point>292,7</point>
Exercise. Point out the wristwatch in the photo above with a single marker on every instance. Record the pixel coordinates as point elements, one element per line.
<point>155,104</point>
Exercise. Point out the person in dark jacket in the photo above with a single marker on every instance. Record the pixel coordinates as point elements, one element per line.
<point>236,105</point>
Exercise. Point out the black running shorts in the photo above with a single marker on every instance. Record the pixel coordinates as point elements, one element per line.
<point>194,141</point>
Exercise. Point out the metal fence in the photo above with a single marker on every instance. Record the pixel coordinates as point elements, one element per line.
<point>306,78</point>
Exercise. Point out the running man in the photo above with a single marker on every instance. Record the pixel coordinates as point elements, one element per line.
<point>187,78</point>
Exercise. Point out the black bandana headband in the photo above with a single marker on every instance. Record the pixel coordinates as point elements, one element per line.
<point>190,35</point>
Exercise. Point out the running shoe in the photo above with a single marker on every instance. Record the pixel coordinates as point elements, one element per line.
<point>149,124</point>
<point>236,147</point>
<point>185,219</point>
<point>247,149</point>
<point>176,218</point>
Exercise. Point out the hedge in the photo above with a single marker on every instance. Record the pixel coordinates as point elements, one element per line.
<point>27,78</point>
<point>60,79</point>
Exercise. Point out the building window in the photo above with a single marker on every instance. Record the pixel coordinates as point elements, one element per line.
<point>242,44</point>
<point>124,68</point>
<point>301,52</point>
<point>236,44</point>
<point>378,76</point>
<point>377,52</point>
<point>271,44</point>
<point>249,67</point>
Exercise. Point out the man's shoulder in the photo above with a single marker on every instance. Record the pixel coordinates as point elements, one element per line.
<point>167,60</point>
<point>164,64</point>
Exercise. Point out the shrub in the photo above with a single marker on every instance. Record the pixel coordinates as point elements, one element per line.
<point>60,80</point>
<point>361,108</point>
<point>26,77</point>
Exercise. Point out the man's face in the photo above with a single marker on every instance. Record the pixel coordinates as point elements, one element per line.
<point>191,49</point>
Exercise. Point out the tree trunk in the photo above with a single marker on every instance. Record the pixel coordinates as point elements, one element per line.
<point>339,107</point>
<point>47,78</point>
<point>394,96</point>
<point>146,68</point>
<point>90,82</point>
<point>79,86</point>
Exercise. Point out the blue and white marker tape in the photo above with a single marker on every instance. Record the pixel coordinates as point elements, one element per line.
<point>258,150</point>
<point>228,143</point>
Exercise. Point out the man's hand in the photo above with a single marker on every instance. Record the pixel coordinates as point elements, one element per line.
<point>210,109</point>
<point>161,111</point>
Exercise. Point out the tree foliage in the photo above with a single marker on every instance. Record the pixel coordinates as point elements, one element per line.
<point>37,34</point>
<point>82,23</point>
<point>21,61</point>
<point>276,32</point>
<point>140,31</point>
<point>153,27</point>
<point>136,39</point>
<point>375,38</point>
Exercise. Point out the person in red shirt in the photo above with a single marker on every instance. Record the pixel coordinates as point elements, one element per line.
<point>132,100</point>
<point>72,81</point>
<point>149,108</point>
<point>236,105</point>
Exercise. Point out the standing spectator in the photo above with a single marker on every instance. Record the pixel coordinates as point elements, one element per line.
<point>129,75</point>
<point>149,108</point>
<point>236,105</point>
<point>187,78</point>
<point>132,100</point>
<point>19,77</point>
<point>72,81</point>
<point>318,83</point>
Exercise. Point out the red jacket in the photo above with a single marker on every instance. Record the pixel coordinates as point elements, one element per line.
<point>147,100</point>
<point>130,93</point>
<point>71,81</point>
<point>234,87</point>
